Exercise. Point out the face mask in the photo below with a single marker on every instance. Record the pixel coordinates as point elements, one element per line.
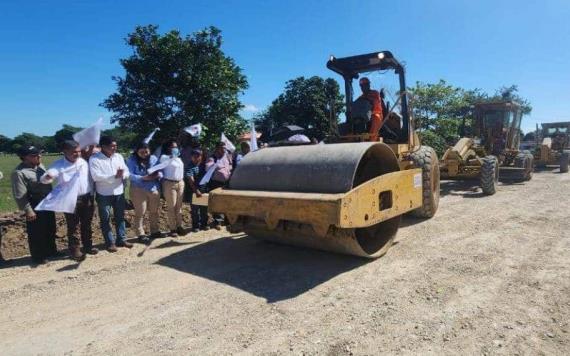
<point>175,152</point>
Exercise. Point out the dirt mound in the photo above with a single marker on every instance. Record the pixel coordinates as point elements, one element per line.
<point>15,242</point>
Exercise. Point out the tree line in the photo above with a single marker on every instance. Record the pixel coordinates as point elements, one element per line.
<point>51,143</point>
<point>172,81</point>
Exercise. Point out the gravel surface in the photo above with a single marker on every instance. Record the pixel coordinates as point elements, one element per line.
<point>486,275</point>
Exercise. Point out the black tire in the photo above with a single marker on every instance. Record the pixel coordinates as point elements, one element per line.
<point>519,160</point>
<point>426,159</point>
<point>526,161</point>
<point>564,159</point>
<point>489,175</point>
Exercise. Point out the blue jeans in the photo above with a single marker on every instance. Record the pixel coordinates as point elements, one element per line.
<point>104,205</point>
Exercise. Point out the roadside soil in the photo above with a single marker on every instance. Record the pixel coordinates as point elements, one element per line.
<point>15,243</point>
<point>487,275</point>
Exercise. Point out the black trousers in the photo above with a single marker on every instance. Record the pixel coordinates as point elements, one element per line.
<point>41,235</point>
<point>82,218</point>
<point>199,216</point>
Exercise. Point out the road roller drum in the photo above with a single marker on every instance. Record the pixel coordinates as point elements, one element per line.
<point>345,198</point>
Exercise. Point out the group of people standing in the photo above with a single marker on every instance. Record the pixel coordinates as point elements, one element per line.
<point>99,176</point>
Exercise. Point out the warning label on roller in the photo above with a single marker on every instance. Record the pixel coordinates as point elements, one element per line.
<point>418,180</point>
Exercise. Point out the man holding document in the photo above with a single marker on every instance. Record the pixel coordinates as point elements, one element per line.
<point>75,198</point>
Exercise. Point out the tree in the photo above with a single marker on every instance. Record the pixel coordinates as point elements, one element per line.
<point>27,138</point>
<point>172,81</point>
<point>49,144</point>
<point>65,133</point>
<point>5,144</point>
<point>125,138</point>
<point>309,103</point>
<point>510,93</point>
<point>442,111</point>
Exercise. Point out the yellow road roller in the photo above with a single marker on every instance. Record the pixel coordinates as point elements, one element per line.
<point>347,195</point>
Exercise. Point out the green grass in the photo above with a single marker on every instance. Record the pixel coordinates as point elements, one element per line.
<point>7,165</point>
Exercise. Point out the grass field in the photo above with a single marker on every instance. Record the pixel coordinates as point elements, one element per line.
<point>7,165</point>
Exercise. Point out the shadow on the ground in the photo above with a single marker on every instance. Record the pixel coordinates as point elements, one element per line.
<point>17,262</point>
<point>174,243</point>
<point>70,267</point>
<point>271,271</point>
<point>27,261</point>
<point>465,188</point>
<point>408,220</point>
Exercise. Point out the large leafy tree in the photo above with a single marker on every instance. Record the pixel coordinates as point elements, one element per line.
<point>307,102</point>
<point>172,81</point>
<point>441,111</point>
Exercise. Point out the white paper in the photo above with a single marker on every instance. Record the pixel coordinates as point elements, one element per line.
<point>253,139</point>
<point>206,178</point>
<point>89,136</point>
<point>418,180</point>
<point>158,152</point>
<point>194,130</point>
<point>299,138</point>
<point>63,198</point>
<point>150,136</point>
<point>159,166</point>
<point>229,145</point>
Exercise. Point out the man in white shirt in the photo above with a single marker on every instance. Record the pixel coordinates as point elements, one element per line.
<point>109,172</point>
<point>63,169</point>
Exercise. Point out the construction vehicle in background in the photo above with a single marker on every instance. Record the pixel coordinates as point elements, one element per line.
<point>493,153</point>
<point>347,195</point>
<point>553,145</point>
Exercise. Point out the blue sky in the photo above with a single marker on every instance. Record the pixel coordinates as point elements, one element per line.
<point>58,57</point>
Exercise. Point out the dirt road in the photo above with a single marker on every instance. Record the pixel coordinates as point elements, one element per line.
<point>487,275</point>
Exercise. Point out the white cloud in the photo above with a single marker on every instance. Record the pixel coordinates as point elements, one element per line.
<point>250,108</point>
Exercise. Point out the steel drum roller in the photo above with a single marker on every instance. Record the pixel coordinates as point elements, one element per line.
<point>325,169</point>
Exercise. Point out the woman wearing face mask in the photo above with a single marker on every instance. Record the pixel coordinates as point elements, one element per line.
<point>173,186</point>
<point>144,191</point>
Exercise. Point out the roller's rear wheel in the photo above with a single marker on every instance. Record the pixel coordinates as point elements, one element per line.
<point>426,159</point>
